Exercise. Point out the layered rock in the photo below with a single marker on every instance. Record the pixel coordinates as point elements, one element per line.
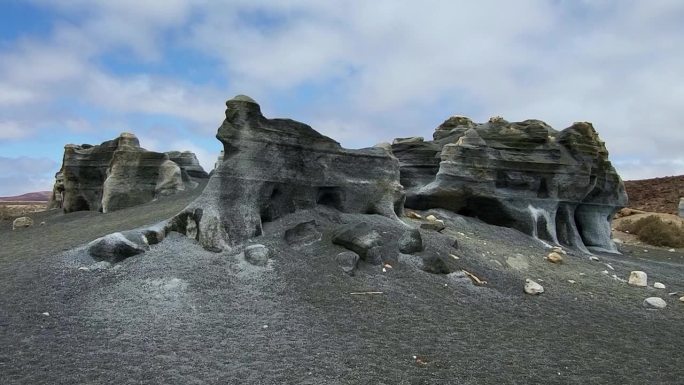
<point>115,174</point>
<point>272,167</point>
<point>188,162</point>
<point>558,186</point>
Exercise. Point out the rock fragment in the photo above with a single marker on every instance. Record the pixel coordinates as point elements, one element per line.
<point>22,222</point>
<point>554,257</point>
<point>257,255</point>
<point>348,261</point>
<point>114,248</point>
<point>655,303</point>
<point>533,288</point>
<point>658,285</point>
<point>411,242</point>
<point>638,278</point>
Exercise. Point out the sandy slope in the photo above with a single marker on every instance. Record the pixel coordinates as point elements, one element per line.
<point>181,315</point>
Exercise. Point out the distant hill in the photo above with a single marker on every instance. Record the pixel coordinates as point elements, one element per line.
<point>659,195</point>
<point>39,196</point>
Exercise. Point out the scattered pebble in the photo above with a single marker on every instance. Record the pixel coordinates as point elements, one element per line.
<point>83,268</point>
<point>582,274</point>
<point>593,258</point>
<point>615,277</point>
<point>658,285</point>
<point>413,215</point>
<point>681,299</point>
<point>265,327</point>
<point>655,303</point>
<point>605,272</point>
<point>672,294</point>
<point>572,281</point>
<point>645,251</point>
<point>46,314</point>
<point>384,270</point>
<point>431,218</point>
<point>609,266</point>
<point>388,266</point>
<point>554,257</point>
<point>533,288</point>
<point>638,278</point>
<point>672,250</point>
<point>454,257</point>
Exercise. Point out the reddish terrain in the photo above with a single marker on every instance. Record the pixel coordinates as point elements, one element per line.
<point>660,195</point>
<point>39,196</point>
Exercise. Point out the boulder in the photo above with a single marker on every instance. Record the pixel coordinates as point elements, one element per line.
<point>361,239</point>
<point>436,264</point>
<point>655,303</point>
<point>411,242</point>
<point>348,261</point>
<point>303,234</point>
<point>115,174</point>
<point>115,247</point>
<point>22,222</point>
<point>272,167</point>
<point>257,255</point>
<point>558,186</point>
<point>638,278</point>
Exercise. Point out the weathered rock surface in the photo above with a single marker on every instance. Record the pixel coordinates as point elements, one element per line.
<point>558,186</point>
<point>411,242</point>
<point>655,303</point>
<point>532,287</point>
<point>272,167</point>
<point>681,207</point>
<point>638,278</point>
<point>348,261</point>
<point>257,255</point>
<point>188,162</point>
<point>116,174</point>
<point>22,222</point>
<point>303,234</point>
<point>116,247</point>
<point>361,239</point>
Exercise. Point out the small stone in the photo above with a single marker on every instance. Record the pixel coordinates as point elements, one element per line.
<point>605,272</point>
<point>434,226</point>
<point>348,260</point>
<point>384,270</point>
<point>431,218</point>
<point>638,278</point>
<point>558,250</point>
<point>618,241</point>
<point>46,314</point>
<point>572,281</point>
<point>593,258</point>
<point>533,288</point>
<point>265,327</point>
<point>582,274</point>
<point>454,257</point>
<point>671,250</point>
<point>681,299</point>
<point>413,215</point>
<point>554,257</point>
<point>83,268</point>
<point>672,294</point>
<point>387,266</point>
<point>257,255</point>
<point>609,266</point>
<point>22,222</point>
<point>658,285</point>
<point>655,303</point>
<point>42,223</point>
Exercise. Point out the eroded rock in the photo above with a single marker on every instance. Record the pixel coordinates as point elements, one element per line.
<point>303,234</point>
<point>22,222</point>
<point>655,303</point>
<point>411,242</point>
<point>532,287</point>
<point>257,255</point>
<point>348,261</point>
<point>115,247</point>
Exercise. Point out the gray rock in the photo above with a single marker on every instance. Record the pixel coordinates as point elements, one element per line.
<point>411,242</point>
<point>533,288</point>
<point>638,278</point>
<point>436,264</point>
<point>114,248</point>
<point>655,303</point>
<point>188,161</point>
<point>273,167</point>
<point>303,234</point>
<point>348,261</point>
<point>361,239</point>
<point>658,285</point>
<point>115,174</point>
<point>257,255</point>
<point>433,226</point>
<point>557,186</point>
<point>22,222</point>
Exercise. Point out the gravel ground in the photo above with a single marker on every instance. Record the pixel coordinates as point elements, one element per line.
<point>181,315</point>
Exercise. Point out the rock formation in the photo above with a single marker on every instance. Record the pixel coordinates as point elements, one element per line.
<point>188,162</point>
<point>117,174</point>
<point>557,186</point>
<point>272,167</point>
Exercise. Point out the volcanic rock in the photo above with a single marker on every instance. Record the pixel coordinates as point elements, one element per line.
<point>348,261</point>
<point>273,167</point>
<point>411,242</point>
<point>257,255</point>
<point>116,174</point>
<point>22,222</point>
<point>114,248</point>
<point>638,278</point>
<point>557,186</point>
<point>359,238</point>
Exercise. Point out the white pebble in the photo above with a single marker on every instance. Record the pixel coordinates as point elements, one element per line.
<point>46,314</point>
<point>655,303</point>
<point>658,285</point>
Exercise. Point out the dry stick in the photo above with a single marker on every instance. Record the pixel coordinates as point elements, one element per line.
<point>474,278</point>
<point>366,293</point>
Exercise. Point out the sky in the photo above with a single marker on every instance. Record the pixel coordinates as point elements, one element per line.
<point>361,72</point>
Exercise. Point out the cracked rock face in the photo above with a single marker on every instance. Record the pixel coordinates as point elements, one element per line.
<point>117,174</point>
<point>558,186</point>
<point>272,167</point>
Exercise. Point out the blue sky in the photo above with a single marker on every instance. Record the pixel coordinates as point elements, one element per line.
<point>82,71</point>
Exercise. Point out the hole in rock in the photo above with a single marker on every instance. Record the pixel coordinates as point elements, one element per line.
<point>488,210</point>
<point>330,196</point>
<point>543,191</point>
